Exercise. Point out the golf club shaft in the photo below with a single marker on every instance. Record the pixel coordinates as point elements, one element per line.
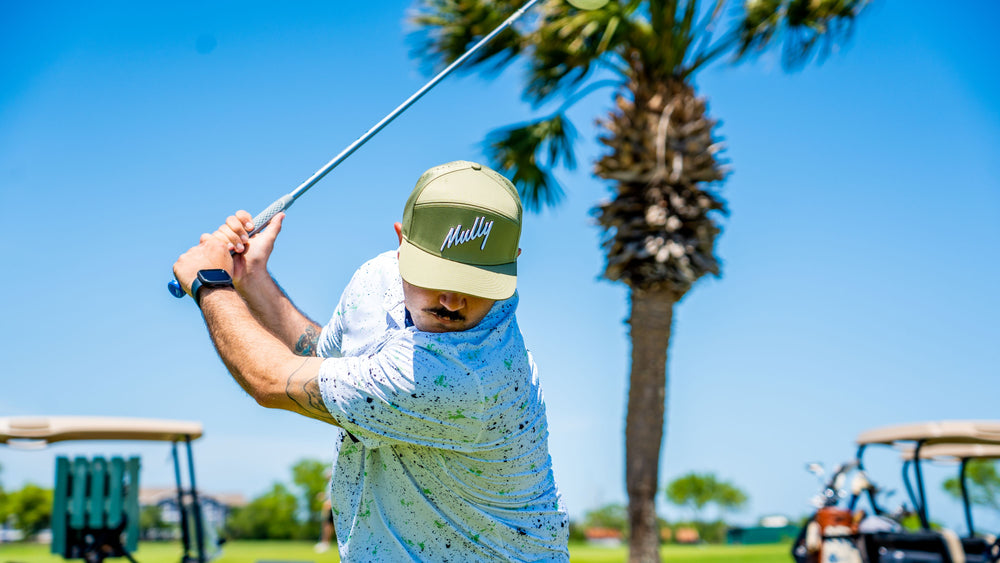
<point>286,201</point>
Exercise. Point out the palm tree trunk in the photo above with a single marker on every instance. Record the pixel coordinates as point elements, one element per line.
<point>650,320</point>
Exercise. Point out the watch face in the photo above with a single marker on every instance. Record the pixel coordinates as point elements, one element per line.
<point>214,276</point>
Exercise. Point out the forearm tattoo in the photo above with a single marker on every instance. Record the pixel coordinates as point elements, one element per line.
<point>304,392</point>
<point>306,346</point>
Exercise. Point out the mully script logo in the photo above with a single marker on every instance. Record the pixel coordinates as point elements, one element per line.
<point>480,229</point>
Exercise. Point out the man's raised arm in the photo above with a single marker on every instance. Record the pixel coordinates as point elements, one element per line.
<point>269,304</point>
<point>259,362</point>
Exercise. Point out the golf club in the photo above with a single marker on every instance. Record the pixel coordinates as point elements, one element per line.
<point>286,201</point>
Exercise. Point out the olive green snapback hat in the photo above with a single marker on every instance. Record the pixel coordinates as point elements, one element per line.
<point>461,228</point>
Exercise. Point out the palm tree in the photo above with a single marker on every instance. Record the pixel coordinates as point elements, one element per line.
<point>662,159</point>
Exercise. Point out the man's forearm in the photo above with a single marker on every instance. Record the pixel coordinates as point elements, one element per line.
<point>275,311</point>
<point>259,362</point>
<point>254,356</point>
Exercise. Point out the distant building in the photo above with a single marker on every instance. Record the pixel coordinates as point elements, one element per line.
<point>215,506</point>
<point>608,537</point>
<point>687,534</point>
<point>774,521</point>
<point>772,529</point>
<point>10,534</point>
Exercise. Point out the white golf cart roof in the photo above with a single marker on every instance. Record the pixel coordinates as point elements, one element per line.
<point>38,431</point>
<point>956,452</point>
<point>939,432</point>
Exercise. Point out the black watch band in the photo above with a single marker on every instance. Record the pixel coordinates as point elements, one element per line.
<point>210,279</point>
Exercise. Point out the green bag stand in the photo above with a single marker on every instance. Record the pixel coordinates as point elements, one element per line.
<point>95,509</point>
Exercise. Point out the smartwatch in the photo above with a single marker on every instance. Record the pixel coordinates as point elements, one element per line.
<point>210,278</point>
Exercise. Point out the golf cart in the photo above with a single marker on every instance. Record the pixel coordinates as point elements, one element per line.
<point>95,512</point>
<point>847,534</point>
<point>956,453</point>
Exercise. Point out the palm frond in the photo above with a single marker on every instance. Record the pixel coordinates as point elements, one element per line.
<point>799,25</point>
<point>672,43</point>
<point>446,29</point>
<point>569,42</point>
<point>528,152</point>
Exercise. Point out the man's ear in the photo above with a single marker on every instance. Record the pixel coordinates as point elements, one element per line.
<point>399,231</point>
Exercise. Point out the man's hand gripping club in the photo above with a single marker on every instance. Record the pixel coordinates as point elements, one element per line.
<point>245,323</point>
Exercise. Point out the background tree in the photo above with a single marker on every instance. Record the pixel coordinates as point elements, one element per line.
<point>31,508</point>
<point>269,516</point>
<point>983,483</point>
<point>311,477</point>
<point>696,491</point>
<point>151,521</point>
<point>3,502</point>
<point>659,227</point>
<point>613,516</point>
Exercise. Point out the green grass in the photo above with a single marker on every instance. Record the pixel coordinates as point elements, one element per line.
<point>250,551</point>
<point>777,553</point>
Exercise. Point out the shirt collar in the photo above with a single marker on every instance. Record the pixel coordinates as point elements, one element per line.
<point>392,302</point>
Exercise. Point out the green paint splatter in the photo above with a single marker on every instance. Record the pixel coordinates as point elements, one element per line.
<point>404,503</point>
<point>418,544</point>
<point>439,524</point>
<point>439,381</point>
<point>456,415</point>
<point>428,492</point>
<point>477,472</point>
<point>508,363</point>
<point>491,528</point>
<point>524,406</point>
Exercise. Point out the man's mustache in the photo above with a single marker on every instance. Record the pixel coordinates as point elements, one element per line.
<point>446,314</point>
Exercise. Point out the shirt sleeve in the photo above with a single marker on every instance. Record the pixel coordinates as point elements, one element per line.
<point>404,393</point>
<point>332,336</point>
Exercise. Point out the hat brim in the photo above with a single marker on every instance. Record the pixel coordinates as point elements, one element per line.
<point>423,269</point>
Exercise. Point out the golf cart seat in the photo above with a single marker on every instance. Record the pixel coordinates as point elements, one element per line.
<point>908,547</point>
<point>95,512</point>
<point>977,550</point>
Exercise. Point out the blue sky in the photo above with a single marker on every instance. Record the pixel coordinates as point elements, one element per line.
<point>860,258</point>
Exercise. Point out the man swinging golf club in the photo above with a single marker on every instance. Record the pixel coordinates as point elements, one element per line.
<point>444,441</point>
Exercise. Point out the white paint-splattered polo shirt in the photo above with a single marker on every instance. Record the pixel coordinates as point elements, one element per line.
<point>446,452</point>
